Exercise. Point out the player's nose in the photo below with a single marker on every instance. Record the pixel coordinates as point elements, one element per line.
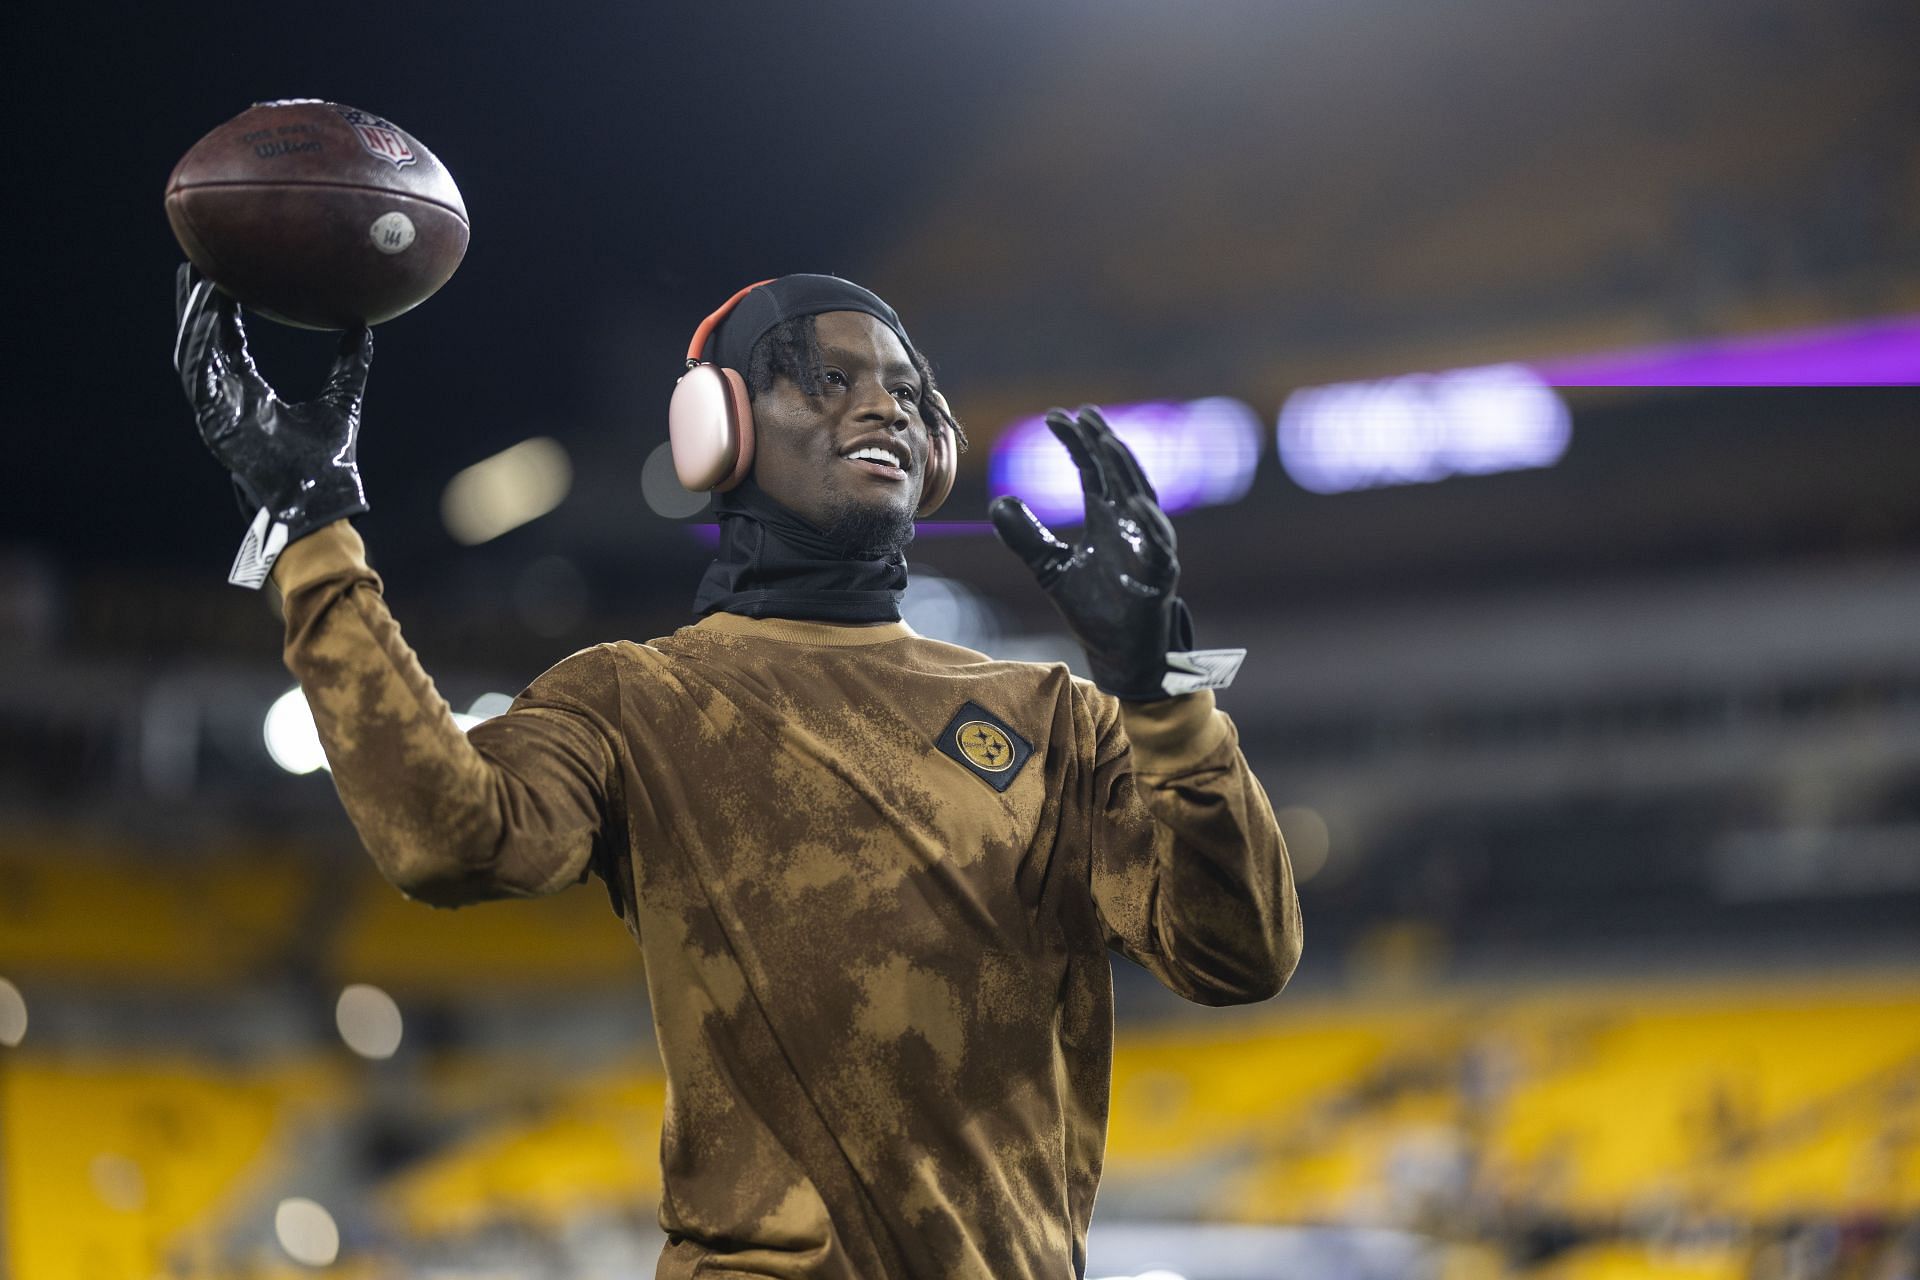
<point>876,404</point>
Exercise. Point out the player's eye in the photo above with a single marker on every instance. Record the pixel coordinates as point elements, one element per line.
<point>833,377</point>
<point>908,394</point>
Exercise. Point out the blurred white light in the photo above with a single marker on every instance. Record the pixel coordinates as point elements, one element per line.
<point>1421,428</point>
<point>369,1021</point>
<point>1196,453</point>
<point>291,738</point>
<point>307,1232</point>
<point>661,488</point>
<point>942,609</point>
<point>465,720</point>
<point>507,490</point>
<point>13,1014</point>
<point>119,1182</point>
<point>489,705</point>
<point>1307,843</point>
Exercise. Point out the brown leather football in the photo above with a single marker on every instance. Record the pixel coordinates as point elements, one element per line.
<point>318,214</point>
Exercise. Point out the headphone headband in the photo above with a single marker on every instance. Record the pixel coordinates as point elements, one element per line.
<point>696,350</point>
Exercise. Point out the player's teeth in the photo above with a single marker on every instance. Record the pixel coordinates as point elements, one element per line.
<point>880,456</point>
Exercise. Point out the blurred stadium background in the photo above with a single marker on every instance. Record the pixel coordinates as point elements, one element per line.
<point>1536,382</point>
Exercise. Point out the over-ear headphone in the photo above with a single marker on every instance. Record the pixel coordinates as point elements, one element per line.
<point>710,424</point>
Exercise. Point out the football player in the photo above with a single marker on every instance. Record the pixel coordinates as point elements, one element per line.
<point>874,876</point>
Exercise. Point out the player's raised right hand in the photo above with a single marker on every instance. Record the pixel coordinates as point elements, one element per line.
<point>293,464</point>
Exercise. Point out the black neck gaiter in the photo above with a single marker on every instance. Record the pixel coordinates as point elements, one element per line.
<point>773,564</point>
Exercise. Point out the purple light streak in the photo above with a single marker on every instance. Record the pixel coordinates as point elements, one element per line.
<point>1868,354</point>
<point>707,533</point>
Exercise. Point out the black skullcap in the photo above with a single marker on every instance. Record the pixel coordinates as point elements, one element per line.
<point>731,345</point>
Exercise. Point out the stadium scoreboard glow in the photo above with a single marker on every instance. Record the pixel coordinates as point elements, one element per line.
<point>1422,427</point>
<point>1197,453</point>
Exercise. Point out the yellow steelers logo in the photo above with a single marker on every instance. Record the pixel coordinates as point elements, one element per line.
<point>986,746</point>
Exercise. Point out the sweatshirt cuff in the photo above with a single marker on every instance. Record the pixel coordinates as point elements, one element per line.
<point>1171,734</point>
<point>331,551</point>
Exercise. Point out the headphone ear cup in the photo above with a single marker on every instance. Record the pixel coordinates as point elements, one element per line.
<point>740,408</point>
<point>942,466</point>
<point>710,426</point>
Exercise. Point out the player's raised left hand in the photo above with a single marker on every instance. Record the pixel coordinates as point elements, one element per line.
<point>294,464</point>
<point>1115,583</point>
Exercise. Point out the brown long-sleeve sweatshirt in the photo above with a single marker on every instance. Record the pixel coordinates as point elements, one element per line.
<point>874,878</point>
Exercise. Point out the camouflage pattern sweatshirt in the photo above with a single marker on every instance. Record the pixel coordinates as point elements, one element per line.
<point>874,878</point>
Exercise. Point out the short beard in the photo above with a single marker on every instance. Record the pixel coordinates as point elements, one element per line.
<point>871,532</point>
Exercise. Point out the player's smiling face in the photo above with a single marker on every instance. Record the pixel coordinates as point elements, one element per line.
<point>852,459</point>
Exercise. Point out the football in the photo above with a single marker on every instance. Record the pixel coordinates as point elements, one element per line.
<point>318,214</point>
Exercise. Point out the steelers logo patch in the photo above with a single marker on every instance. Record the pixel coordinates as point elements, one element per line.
<point>986,746</point>
<point>982,742</point>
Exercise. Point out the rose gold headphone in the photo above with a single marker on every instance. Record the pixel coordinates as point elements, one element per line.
<point>710,424</point>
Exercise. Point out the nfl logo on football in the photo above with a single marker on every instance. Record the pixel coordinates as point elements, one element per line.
<point>379,137</point>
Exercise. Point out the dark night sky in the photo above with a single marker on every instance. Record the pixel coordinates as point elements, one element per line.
<point>626,167</point>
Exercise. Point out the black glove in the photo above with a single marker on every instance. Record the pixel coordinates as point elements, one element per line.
<point>293,464</point>
<point>1115,586</point>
